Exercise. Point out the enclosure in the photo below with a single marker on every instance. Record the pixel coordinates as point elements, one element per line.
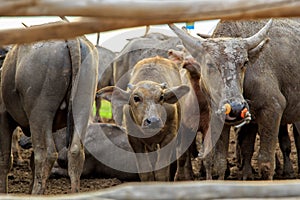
<point>105,15</point>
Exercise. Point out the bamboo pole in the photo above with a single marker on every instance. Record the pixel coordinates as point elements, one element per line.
<point>112,14</point>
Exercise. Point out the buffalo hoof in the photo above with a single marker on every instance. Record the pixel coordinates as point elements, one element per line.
<point>186,176</point>
<point>266,171</point>
<point>289,175</point>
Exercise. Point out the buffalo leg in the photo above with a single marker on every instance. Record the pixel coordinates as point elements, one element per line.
<point>245,145</point>
<point>285,147</point>
<point>268,131</point>
<point>44,149</point>
<point>221,152</point>
<point>296,128</point>
<point>184,165</point>
<point>75,162</point>
<point>5,151</point>
<point>164,156</point>
<point>206,154</point>
<point>144,165</point>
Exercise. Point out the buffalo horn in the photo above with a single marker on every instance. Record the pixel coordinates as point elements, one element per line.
<point>130,86</point>
<point>163,85</point>
<point>185,37</point>
<point>254,40</point>
<point>192,44</point>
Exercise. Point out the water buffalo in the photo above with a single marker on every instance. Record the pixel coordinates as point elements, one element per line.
<point>151,114</point>
<point>150,45</point>
<point>46,86</point>
<point>223,63</point>
<point>271,86</point>
<point>99,139</point>
<point>105,75</point>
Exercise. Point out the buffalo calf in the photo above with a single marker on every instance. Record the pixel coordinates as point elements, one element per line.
<point>151,114</point>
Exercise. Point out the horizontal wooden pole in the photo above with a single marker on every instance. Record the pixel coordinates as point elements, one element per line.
<point>185,190</point>
<point>113,14</point>
<point>63,30</point>
<point>152,9</point>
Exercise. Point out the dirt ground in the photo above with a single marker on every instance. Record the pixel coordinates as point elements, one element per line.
<point>21,176</point>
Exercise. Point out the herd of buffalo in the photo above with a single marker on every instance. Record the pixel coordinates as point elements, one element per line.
<point>165,91</point>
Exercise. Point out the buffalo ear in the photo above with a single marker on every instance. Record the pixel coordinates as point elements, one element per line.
<point>172,95</point>
<point>114,94</point>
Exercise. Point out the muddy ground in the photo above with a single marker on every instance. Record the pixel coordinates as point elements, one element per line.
<point>20,177</point>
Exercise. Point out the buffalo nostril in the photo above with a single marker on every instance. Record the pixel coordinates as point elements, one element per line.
<point>152,122</point>
<point>147,122</point>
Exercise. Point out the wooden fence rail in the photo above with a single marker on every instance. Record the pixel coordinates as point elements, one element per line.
<point>104,15</point>
<point>112,14</point>
<point>185,190</point>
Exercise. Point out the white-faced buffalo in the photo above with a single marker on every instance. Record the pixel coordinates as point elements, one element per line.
<point>151,114</point>
<point>223,63</point>
<point>46,86</point>
<point>150,45</point>
<point>271,86</point>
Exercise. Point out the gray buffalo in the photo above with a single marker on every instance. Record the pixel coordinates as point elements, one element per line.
<point>271,87</point>
<point>100,139</point>
<point>46,86</point>
<point>151,114</point>
<point>223,63</point>
<point>152,44</point>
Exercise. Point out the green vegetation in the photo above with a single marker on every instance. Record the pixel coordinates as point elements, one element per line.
<point>105,110</point>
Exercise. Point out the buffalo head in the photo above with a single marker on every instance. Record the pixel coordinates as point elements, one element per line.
<point>223,63</point>
<point>147,103</point>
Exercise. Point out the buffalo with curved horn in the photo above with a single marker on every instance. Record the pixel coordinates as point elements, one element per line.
<point>223,62</point>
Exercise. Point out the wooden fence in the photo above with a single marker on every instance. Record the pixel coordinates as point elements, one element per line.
<point>104,15</point>
<point>184,190</point>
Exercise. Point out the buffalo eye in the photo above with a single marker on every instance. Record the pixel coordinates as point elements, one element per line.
<point>136,99</point>
<point>161,98</point>
<point>246,63</point>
